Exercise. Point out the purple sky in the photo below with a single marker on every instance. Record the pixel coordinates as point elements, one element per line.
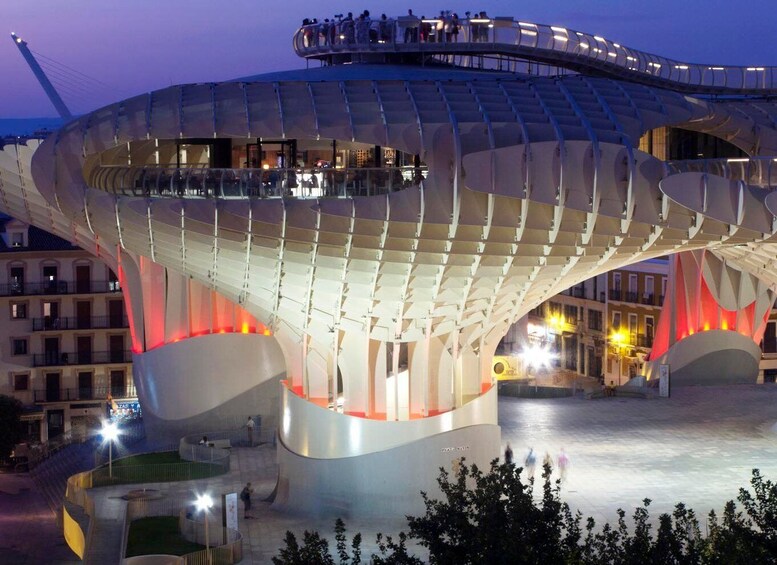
<point>139,45</point>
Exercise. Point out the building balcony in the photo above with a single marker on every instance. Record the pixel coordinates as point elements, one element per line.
<point>58,358</point>
<point>631,297</point>
<point>641,340</point>
<point>48,323</point>
<point>118,392</point>
<point>58,287</point>
<point>615,294</point>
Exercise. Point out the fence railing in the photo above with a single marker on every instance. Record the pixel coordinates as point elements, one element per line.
<point>511,43</point>
<point>56,358</point>
<point>186,182</point>
<point>85,393</point>
<point>47,323</point>
<point>159,472</point>
<point>754,171</point>
<point>226,544</point>
<point>18,288</point>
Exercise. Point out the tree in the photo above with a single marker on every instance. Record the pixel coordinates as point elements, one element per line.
<point>11,431</point>
<point>494,518</point>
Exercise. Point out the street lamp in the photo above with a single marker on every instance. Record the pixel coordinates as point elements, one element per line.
<point>204,502</point>
<point>618,341</point>
<point>110,432</point>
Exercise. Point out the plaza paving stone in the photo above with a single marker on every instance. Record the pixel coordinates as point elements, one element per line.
<point>698,447</point>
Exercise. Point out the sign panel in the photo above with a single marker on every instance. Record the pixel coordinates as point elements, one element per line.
<point>663,381</point>
<point>229,512</point>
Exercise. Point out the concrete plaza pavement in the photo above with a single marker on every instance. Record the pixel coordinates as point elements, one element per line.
<point>698,447</point>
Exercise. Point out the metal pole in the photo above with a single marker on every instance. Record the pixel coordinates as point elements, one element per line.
<point>110,459</point>
<point>51,92</point>
<point>207,544</point>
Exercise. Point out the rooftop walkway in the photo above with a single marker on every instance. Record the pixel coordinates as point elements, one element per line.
<point>505,44</point>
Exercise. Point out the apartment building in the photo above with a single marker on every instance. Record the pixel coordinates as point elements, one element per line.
<point>64,333</point>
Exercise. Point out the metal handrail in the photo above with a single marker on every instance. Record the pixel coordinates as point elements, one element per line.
<point>57,358</point>
<point>754,171</point>
<point>47,323</point>
<point>529,41</point>
<point>98,393</point>
<point>299,182</point>
<point>18,288</point>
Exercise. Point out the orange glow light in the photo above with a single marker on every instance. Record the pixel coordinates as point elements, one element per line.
<point>724,324</point>
<point>244,328</point>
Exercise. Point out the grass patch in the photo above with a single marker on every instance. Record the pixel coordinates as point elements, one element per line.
<point>166,466</point>
<point>158,534</point>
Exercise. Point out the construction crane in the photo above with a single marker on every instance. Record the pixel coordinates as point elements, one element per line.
<point>44,81</point>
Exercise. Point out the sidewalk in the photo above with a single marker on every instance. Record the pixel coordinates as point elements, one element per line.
<point>697,447</point>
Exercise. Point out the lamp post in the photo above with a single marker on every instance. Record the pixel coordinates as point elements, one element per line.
<point>204,502</point>
<point>110,432</point>
<point>618,340</point>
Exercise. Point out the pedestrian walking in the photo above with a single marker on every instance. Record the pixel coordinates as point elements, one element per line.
<point>508,454</point>
<point>250,427</point>
<point>530,463</point>
<point>547,461</point>
<point>245,496</point>
<point>563,463</point>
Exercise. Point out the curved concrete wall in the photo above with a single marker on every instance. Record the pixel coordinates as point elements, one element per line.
<point>713,357</point>
<point>386,483</point>
<point>216,381</point>
<point>312,431</point>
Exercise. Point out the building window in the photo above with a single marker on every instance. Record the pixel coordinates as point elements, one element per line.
<point>769,344</point>
<point>113,281</point>
<point>17,239</point>
<point>595,320</point>
<point>616,321</point>
<point>570,313</point>
<point>21,382</point>
<point>18,310</point>
<point>20,346</point>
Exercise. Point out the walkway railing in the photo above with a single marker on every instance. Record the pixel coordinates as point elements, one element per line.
<point>47,323</point>
<point>226,544</point>
<point>754,171</point>
<point>510,41</point>
<point>185,182</point>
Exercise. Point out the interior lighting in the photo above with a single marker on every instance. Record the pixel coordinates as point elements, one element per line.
<point>755,68</point>
<point>716,68</point>
<point>681,67</point>
<point>616,45</point>
<point>584,46</point>
<point>611,54</point>
<point>477,21</point>
<point>738,160</point>
<point>560,37</point>
<point>630,58</point>
<point>527,24</point>
<point>561,29</point>
<point>528,32</point>
<point>597,38</point>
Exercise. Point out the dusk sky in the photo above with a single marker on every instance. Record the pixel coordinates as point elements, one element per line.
<point>133,46</point>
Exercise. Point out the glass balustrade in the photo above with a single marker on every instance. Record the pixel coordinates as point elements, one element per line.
<point>152,181</point>
<point>754,171</point>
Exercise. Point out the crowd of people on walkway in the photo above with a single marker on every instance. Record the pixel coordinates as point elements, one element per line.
<point>530,462</point>
<point>363,29</point>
